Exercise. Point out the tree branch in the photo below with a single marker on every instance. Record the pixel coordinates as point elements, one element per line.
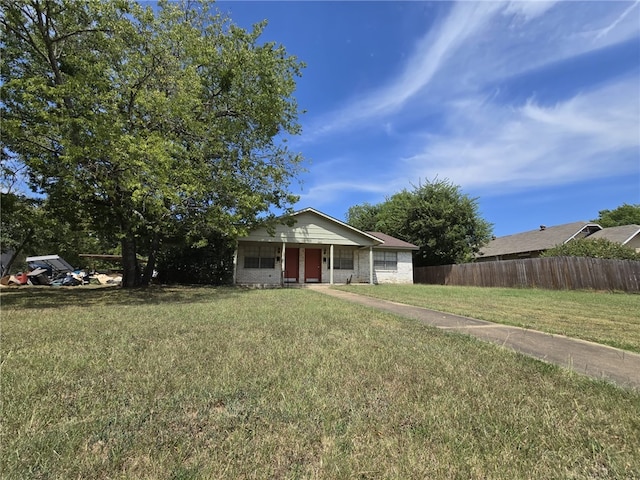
<point>78,32</point>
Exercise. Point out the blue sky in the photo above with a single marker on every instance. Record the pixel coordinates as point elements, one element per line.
<point>532,107</point>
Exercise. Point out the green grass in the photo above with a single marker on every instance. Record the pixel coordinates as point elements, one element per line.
<point>208,383</point>
<point>602,317</point>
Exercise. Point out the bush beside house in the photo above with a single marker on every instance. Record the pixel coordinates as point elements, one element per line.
<point>593,248</point>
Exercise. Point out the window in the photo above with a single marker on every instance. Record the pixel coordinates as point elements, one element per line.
<point>259,257</point>
<point>385,260</point>
<point>343,260</point>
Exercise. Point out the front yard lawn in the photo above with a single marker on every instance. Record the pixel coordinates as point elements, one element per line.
<point>602,317</point>
<point>205,383</point>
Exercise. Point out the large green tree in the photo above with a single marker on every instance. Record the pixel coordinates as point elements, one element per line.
<point>146,120</point>
<point>444,222</point>
<point>625,214</point>
<point>364,216</point>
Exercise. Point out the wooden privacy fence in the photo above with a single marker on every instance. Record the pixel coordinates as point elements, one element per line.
<point>557,273</point>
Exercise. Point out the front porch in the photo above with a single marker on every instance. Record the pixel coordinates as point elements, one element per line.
<point>299,264</point>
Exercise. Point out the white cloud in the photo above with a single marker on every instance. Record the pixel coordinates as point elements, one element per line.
<point>465,20</point>
<point>497,148</point>
<point>479,143</point>
<point>529,9</point>
<point>605,31</point>
<point>481,43</point>
<point>527,37</point>
<point>331,192</point>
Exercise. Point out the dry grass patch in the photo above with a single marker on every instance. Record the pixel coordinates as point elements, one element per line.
<point>224,383</point>
<point>602,317</point>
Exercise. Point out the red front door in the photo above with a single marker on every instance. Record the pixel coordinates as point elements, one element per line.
<point>312,265</point>
<point>291,265</point>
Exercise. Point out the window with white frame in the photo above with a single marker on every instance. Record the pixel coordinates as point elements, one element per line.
<point>343,259</point>
<point>260,257</point>
<point>383,260</point>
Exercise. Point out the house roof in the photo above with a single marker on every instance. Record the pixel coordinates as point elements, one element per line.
<point>622,234</point>
<point>536,240</point>
<point>393,242</point>
<point>314,227</point>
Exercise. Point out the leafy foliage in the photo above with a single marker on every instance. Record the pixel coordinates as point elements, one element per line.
<point>17,225</point>
<point>207,264</point>
<point>436,216</point>
<point>144,120</point>
<point>33,227</point>
<point>593,248</point>
<point>626,214</point>
<point>364,217</point>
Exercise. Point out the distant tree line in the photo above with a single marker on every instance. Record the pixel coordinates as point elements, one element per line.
<point>625,214</point>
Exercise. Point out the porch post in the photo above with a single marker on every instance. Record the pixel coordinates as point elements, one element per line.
<point>235,264</point>
<point>282,257</point>
<point>331,264</point>
<point>371,265</point>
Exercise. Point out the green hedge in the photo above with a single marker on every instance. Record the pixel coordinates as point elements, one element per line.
<point>593,248</point>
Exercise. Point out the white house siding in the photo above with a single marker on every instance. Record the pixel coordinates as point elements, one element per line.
<point>314,230</point>
<point>359,274</point>
<point>311,229</point>
<point>634,243</point>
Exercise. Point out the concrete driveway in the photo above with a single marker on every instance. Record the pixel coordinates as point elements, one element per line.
<point>588,358</point>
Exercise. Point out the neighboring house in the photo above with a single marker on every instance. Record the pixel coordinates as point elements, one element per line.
<point>320,249</point>
<point>531,244</point>
<point>627,235</point>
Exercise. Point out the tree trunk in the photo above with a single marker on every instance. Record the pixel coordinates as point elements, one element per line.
<point>131,277</point>
<point>6,268</point>
<point>147,273</point>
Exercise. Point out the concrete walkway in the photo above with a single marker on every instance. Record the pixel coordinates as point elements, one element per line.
<point>598,361</point>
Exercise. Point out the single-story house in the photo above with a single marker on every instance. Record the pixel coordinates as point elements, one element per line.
<point>627,235</point>
<point>531,244</point>
<point>317,248</point>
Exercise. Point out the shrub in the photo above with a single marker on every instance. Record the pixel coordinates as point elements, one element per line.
<point>210,264</point>
<point>593,248</point>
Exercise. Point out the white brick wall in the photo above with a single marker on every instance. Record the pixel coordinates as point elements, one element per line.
<point>403,274</point>
<point>259,276</point>
<point>256,276</point>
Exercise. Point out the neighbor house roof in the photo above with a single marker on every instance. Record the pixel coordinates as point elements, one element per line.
<point>393,242</point>
<point>623,234</point>
<point>537,240</point>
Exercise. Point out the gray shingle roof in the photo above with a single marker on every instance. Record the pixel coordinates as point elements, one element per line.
<point>622,234</point>
<point>535,240</point>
